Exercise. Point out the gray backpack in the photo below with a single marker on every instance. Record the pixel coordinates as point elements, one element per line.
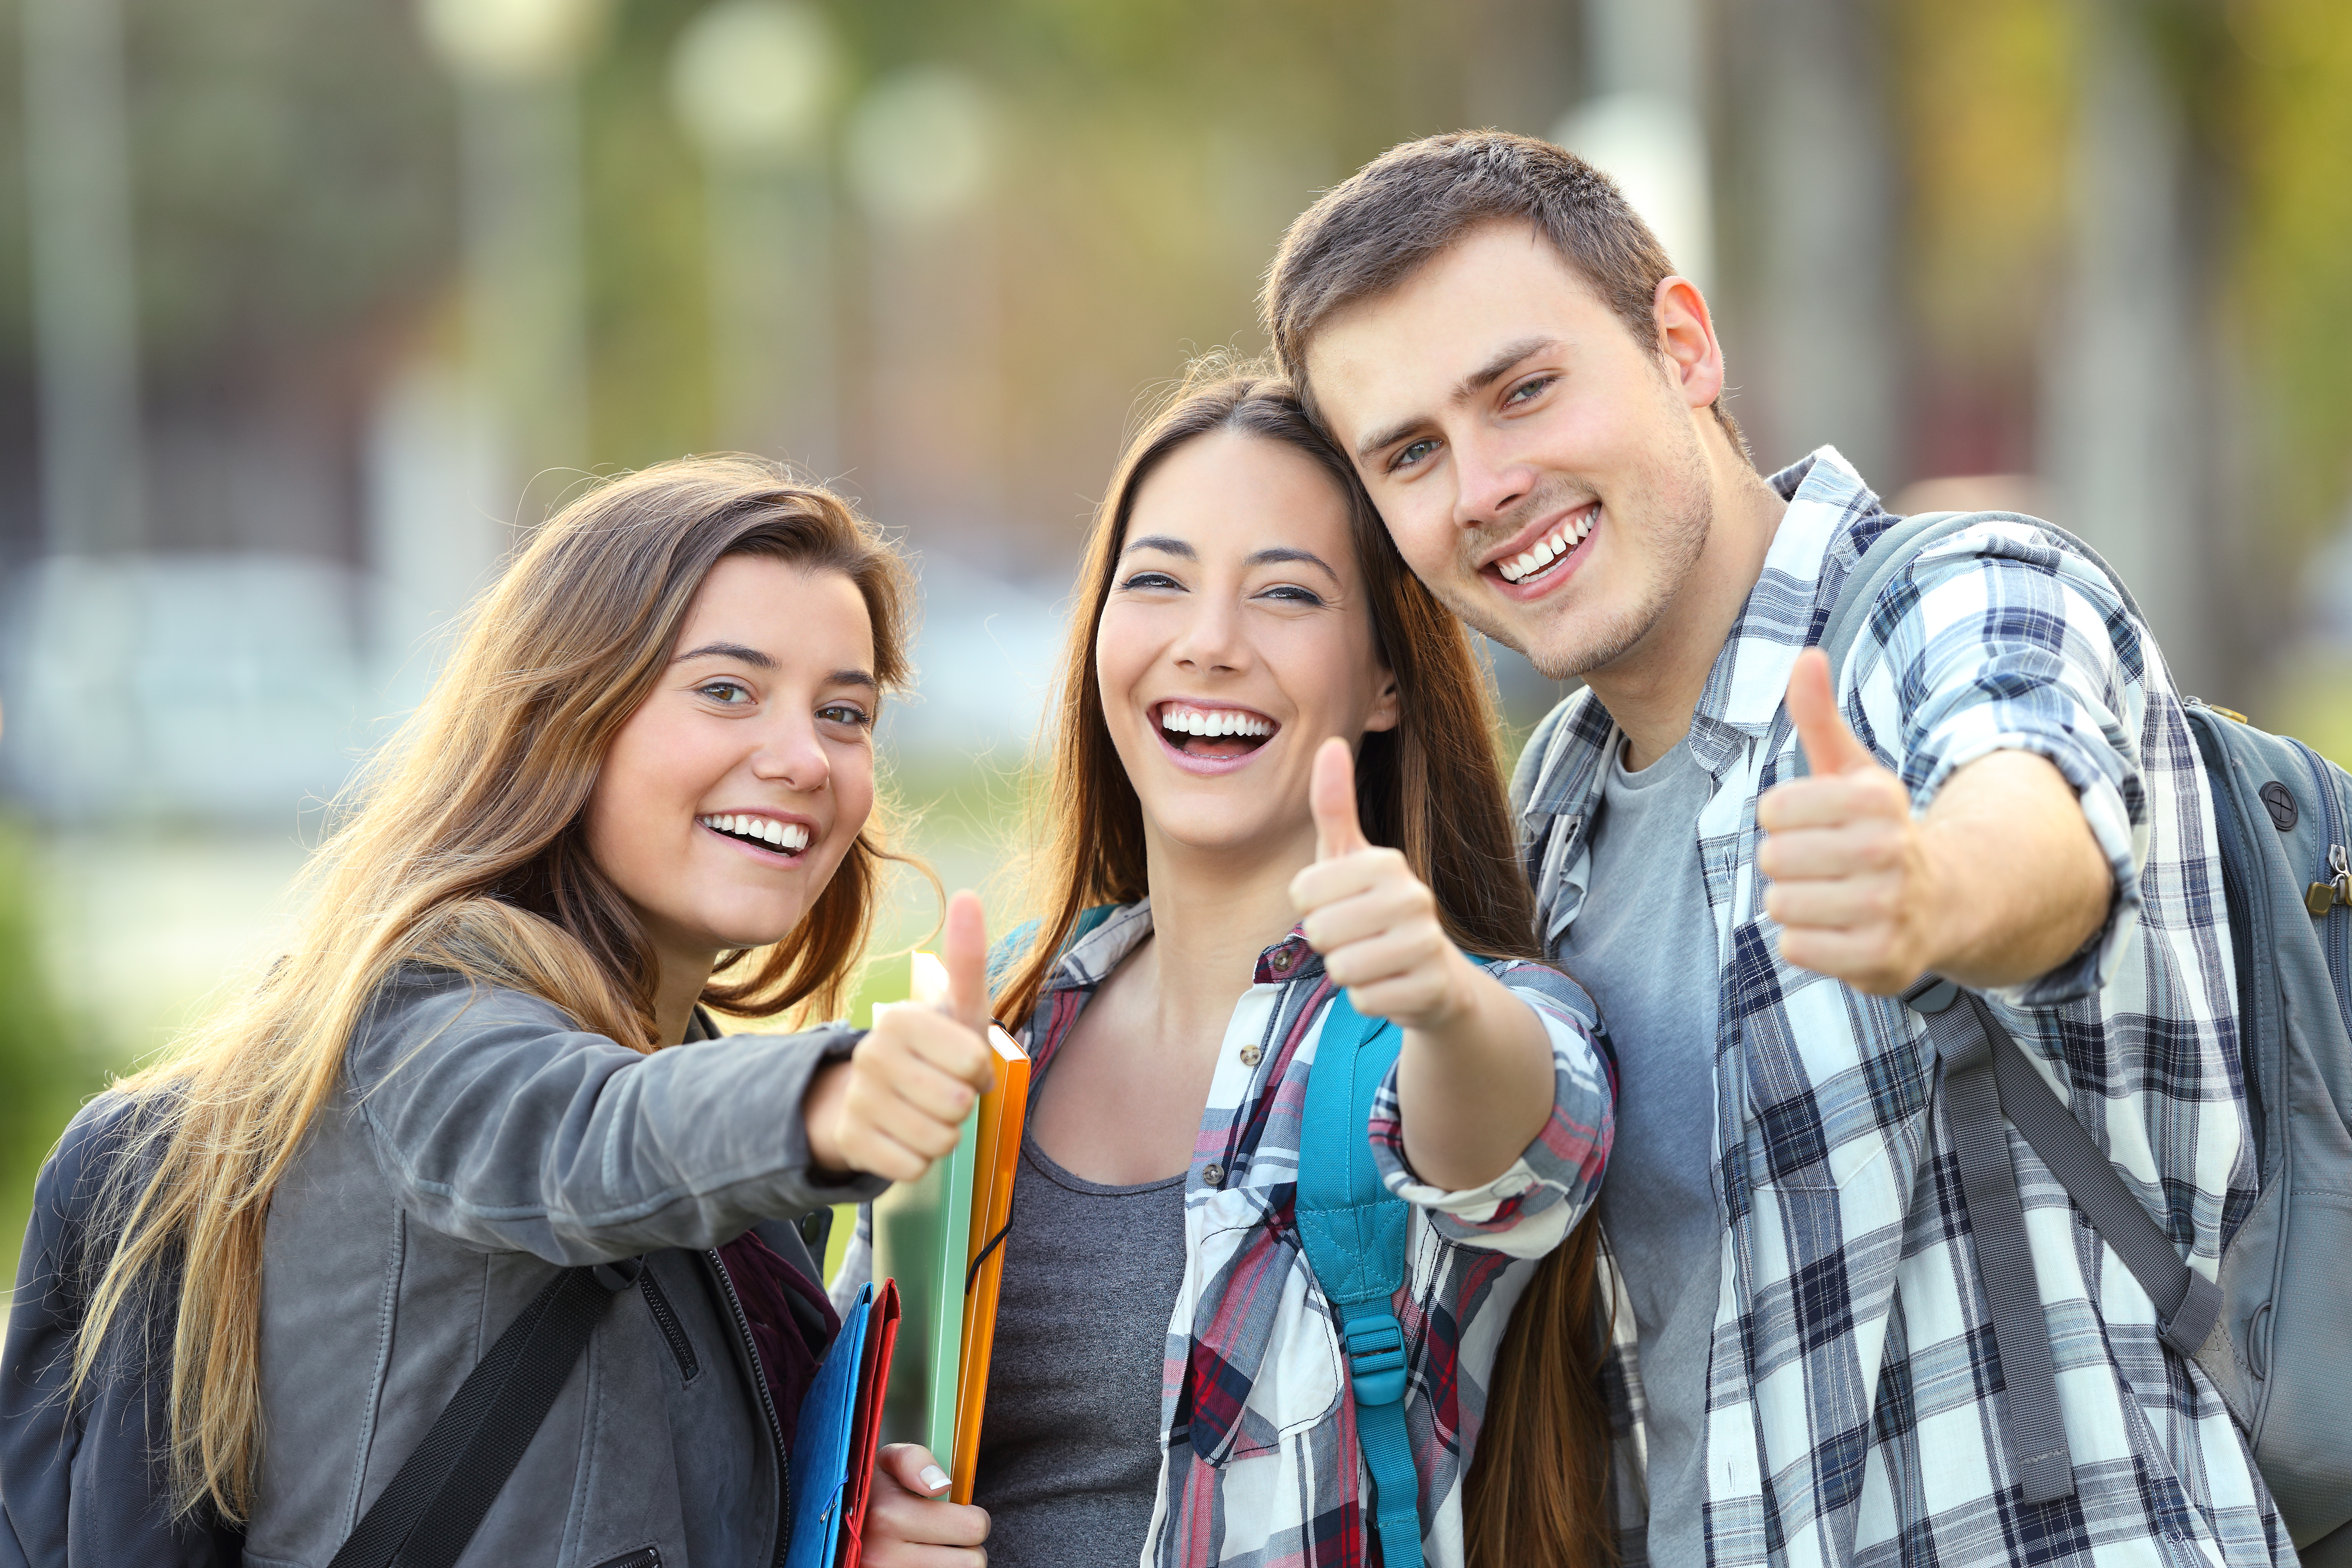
<point>2276,1335</point>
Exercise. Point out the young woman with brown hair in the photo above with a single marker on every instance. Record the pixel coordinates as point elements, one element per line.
<point>1256,694</point>
<point>644,786</point>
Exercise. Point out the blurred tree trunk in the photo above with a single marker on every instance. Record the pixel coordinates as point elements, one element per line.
<point>1813,224</point>
<point>2128,443</point>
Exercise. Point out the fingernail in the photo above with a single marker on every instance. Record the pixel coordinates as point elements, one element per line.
<point>934,1478</point>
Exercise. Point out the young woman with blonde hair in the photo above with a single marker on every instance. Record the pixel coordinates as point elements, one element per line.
<point>643,790</point>
<point>1272,775</point>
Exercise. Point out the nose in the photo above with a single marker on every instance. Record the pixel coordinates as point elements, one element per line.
<point>789,754</point>
<point>1489,477</point>
<point>1212,637</point>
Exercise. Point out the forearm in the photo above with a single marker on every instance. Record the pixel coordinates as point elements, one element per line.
<point>1474,1088</point>
<point>2018,882</point>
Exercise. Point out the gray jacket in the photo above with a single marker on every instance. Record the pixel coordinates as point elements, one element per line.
<point>479,1143</point>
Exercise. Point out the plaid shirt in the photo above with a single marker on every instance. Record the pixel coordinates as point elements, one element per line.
<point>1260,1466</point>
<point>1854,1407</point>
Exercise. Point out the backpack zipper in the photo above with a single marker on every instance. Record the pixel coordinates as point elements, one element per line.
<point>767,1407</point>
<point>665,1316</point>
<point>2338,881</point>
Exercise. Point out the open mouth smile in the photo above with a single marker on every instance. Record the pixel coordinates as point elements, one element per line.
<point>1207,739</point>
<point>776,838</point>
<point>1546,561</point>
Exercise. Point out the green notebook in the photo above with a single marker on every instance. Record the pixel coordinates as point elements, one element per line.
<point>922,1235</point>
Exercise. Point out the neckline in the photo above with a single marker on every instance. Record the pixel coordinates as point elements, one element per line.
<point>1061,1177</point>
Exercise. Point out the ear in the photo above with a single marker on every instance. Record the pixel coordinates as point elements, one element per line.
<point>1386,708</point>
<point>1694,360</point>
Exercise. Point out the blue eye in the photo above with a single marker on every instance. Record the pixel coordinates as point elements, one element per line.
<point>1527,389</point>
<point>1411,454</point>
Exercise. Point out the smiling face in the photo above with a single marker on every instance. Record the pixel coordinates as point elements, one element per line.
<point>1540,468</point>
<point>731,796</point>
<point>1236,637</point>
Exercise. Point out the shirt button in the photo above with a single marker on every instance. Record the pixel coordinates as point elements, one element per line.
<point>1213,1176</point>
<point>1250,1055</point>
<point>1282,961</point>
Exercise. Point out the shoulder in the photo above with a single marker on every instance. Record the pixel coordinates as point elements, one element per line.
<point>1548,986</point>
<point>1570,722</point>
<point>2003,575</point>
<point>425,1013</point>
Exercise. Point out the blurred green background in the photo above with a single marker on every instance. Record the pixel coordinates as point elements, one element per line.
<point>307,311</point>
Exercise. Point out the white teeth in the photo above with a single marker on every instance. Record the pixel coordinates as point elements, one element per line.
<point>1550,548</point>
<point>790,836</point>
<point>1212,725</point>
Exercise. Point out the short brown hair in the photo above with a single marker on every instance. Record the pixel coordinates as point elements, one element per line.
<point>1369,233</point>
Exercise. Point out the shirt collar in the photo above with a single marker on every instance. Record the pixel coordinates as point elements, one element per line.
<point>1092,959</point>
<point>1812,551</point>
<point>1817,542</point>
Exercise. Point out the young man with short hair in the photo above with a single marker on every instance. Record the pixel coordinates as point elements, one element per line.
<point>2002,790</point>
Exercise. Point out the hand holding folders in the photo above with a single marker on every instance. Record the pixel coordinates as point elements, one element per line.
<point>942,1238</point>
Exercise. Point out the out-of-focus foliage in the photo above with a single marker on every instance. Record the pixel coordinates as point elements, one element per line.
<point>2290,116</point>
<point>41,1076</point>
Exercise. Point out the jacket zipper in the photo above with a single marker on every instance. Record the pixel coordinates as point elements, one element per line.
<point>2339,841</point>
<point>644,1557</point>
<point>666,1318</point>
<point>767,1407</point>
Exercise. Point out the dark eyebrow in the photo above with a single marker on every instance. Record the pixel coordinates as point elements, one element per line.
<point>1497,365</point>
<point>736,650</point>
<point>853,678</point>
<point>1162,543</point>
<point>1280,554</point>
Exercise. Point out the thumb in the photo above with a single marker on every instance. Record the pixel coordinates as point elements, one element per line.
<point>912,1467</point>
<point>964,954</point>
<point>1331,796</point>
<point>1830,747</point>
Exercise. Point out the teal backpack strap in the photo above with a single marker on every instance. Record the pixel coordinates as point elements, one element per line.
<point>1353,1230</point>
<point>1013,946</point>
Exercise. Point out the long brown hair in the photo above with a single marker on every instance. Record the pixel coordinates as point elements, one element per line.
<point>461,846</point>
<point>1432,788</point>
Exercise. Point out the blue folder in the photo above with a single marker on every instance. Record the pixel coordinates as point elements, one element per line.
<point>821,1444</point>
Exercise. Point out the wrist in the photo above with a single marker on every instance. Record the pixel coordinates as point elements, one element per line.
<point>821,1114</point>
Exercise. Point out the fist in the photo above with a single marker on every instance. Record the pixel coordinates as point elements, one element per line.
<point>1848,866</point>
<point>1373,921</point>
<point>900,1101</point>
<point>910,1523</point>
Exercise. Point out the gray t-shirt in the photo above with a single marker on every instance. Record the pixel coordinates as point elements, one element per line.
<point>1643,944</point>
<point>1069,1443</point>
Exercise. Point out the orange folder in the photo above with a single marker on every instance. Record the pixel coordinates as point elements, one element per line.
<point>996,1157</point>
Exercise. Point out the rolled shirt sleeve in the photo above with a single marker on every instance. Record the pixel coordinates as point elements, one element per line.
<point>1525,1211</point>
<point>2017,646</point>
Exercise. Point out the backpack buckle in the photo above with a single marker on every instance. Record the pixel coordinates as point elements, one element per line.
<point>1376,1358</point>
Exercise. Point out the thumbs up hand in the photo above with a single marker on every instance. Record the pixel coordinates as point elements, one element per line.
<point>1853,885</point>
<point>900,1101</point>
<point>1373,921</point>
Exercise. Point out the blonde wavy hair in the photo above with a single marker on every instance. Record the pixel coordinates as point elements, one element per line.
<point>461,846</point>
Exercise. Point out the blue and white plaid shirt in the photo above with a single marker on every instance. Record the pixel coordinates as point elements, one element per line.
<point>1853,1410</point>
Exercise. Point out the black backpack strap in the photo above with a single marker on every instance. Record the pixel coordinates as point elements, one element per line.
<point>1987,1079</point>
<point>428,1512</point>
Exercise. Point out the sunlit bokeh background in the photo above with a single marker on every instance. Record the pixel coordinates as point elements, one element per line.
<point>308,313</point>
